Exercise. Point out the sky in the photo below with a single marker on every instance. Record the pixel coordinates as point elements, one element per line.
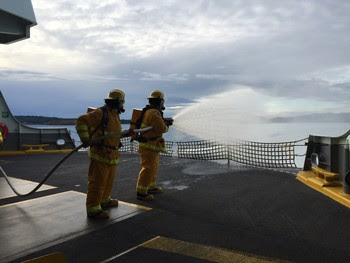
<point>289,56</point>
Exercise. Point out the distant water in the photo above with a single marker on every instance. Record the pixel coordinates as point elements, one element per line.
<point>172,135</point>
<point>271,132</point>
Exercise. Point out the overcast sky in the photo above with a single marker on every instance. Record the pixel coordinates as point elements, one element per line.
<point>293,56</point>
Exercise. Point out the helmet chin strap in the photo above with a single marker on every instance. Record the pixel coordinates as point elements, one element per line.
<point>161,105</point>
<point>121,107</point>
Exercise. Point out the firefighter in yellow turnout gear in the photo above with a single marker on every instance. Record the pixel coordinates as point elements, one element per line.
<point>152,143</point>
<point>104,155</point>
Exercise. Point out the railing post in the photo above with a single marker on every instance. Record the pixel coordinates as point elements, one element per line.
<point>228,155</point>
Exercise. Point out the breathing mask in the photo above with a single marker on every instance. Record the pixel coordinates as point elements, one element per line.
<point>158,103</point>
<point>116,105</point>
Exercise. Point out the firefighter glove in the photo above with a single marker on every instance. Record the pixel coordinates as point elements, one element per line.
<point>128,133</point>
<point>169,121</point>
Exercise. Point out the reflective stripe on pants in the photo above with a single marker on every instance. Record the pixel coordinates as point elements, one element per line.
<point>149,169</point>
<point>100,183</point>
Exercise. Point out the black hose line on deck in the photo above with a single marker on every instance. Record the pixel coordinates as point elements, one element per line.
<point>114,134</point>
<point>46,177</point>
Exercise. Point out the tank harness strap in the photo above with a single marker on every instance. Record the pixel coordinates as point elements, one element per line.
<point>104,122</point>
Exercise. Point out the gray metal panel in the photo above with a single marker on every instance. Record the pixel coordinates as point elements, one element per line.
<point>11,25</point>
<point>16,18</point>
<point>20,8</point>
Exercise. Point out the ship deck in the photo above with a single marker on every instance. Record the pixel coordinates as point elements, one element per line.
<point>209,212</point>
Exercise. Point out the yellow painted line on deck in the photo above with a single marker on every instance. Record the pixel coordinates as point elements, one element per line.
<point>56,257</point>
<point>198,251</point>
<point>130,204</point>
<point>129,250</point>
<point>121,202</point>
<point>35,199</point>
<point>136,205</point>
<point>10,153</point>
<point>14,153</point>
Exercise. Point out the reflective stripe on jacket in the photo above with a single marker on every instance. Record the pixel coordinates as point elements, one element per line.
<point>153,117</point>
<point>87,123</point>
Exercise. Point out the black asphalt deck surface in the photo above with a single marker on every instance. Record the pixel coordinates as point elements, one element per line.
<point>256,211</point>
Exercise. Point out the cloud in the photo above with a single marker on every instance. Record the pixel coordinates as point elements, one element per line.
<point>167,77</point>
<point>288,50</point>
<point>33,76</point>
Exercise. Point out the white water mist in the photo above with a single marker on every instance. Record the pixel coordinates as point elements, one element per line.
<point>225,117</point>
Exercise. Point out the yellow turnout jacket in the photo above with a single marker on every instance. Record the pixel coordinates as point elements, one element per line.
<point>105,151</point>
<point>155,140</point>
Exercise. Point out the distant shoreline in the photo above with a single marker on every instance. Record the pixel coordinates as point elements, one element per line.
<point>43,120</point>
<point>306,118</point>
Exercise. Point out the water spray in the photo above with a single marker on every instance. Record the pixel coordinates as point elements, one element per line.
<point>225,117</point>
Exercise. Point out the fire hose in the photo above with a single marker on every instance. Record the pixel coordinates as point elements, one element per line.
<point>113,134</point>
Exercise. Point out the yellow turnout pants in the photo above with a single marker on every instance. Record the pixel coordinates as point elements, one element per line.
<point>100,183</point>
<point>149,169</point>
